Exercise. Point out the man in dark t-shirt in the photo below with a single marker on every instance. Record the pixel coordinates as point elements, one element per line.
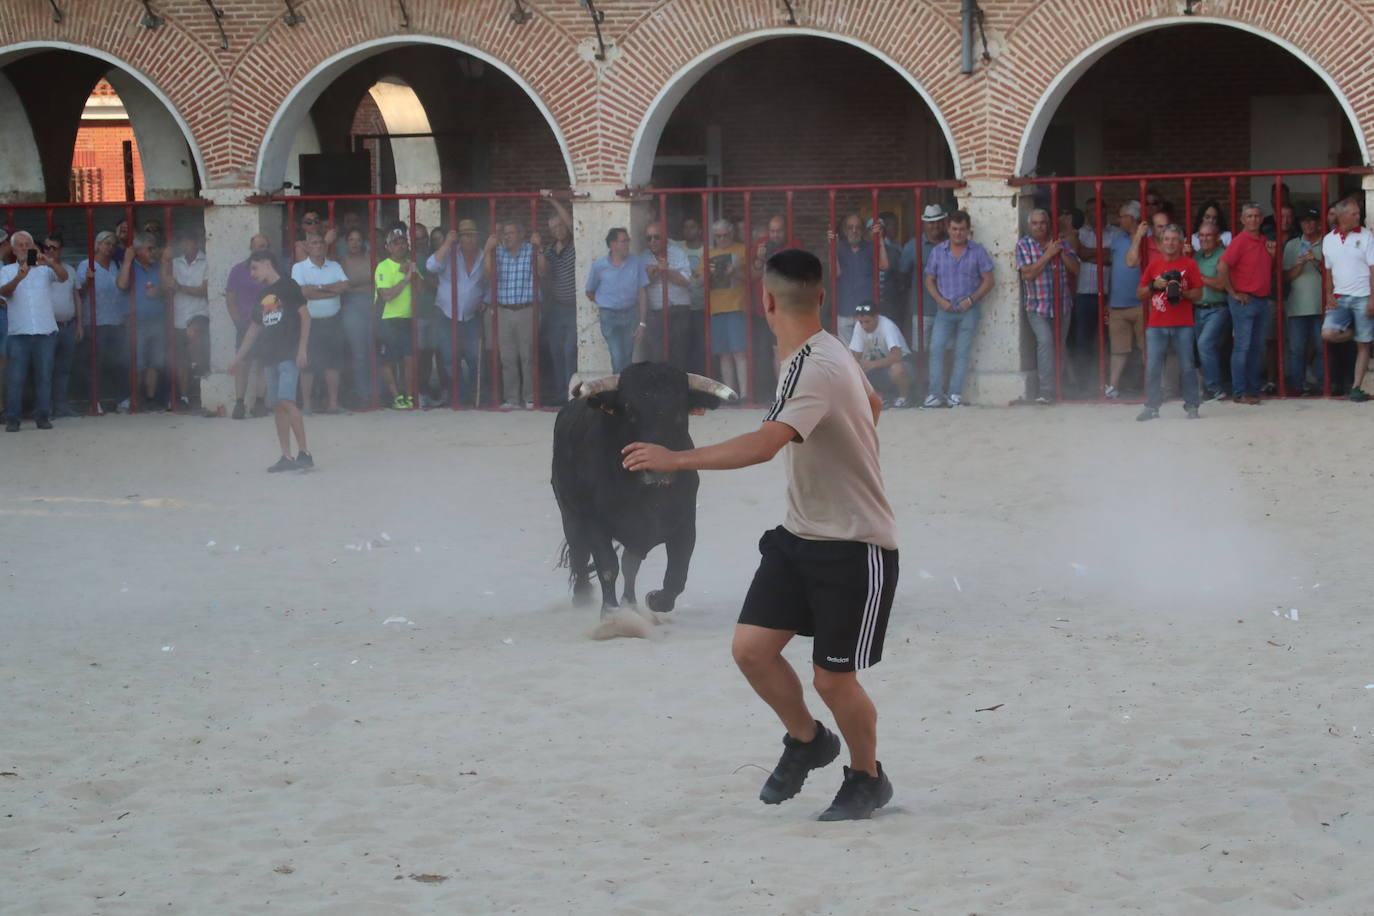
<point>281,331</point>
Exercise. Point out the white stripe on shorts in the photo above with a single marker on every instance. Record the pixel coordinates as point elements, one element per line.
<point>869,624</point>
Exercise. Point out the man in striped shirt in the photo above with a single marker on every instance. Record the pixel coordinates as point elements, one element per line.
<point>830,570</point>
<point>558,311</point>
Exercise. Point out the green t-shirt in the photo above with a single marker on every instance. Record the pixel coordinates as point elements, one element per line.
<point>1207,266</point>
<point>1303,297</point>
<point>389,273</point>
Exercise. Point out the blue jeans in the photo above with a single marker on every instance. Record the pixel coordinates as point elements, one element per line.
<point>1157,341</point>
<point>618,327</point>
<point>25,352</point>
<point>1212,325</point>
<point>469,352</point>
<point>1299,332</point>
<point>560,329</point>
<point>63,356</point>
<point>357,325</point>
<point>958,327</point>
<point>1248,324</point>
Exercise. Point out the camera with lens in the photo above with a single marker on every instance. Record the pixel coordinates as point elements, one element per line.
<point>722,265</point>
<point>1173,285</point>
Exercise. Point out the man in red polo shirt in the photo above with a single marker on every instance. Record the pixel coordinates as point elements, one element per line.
<point>1171,283</point>
<point>1247,270</point>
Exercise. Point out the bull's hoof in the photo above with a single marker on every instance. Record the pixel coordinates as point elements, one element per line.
<point>582,594</point>
<point>660,601</point>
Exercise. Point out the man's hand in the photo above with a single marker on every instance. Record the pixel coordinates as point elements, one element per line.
<point>645,456</point>
<point>491,244</point>
<point>301,361</point>
<point>1052,249</point>
<point>961,307</point>
<point>1242,298</point>
<point>1270,247</point>
<point>761,253</point>
<point>1140,230</point>
<point>944,304</point>
<point>639,331</point>
<point>451,238</point>
<point>536,240</point>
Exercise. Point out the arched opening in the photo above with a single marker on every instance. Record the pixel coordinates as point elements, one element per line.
<point>1193,96</point>
<point>48,103</point>
<point>471,126</point>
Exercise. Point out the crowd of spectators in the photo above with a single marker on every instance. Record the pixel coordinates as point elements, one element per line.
<point>391,327</point>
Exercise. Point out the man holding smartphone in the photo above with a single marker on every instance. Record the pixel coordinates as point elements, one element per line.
<point>26,286</point>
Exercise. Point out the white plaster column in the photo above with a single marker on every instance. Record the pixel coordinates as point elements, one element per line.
<point>1367,185</point>
<point>592,217</point>
<point>429,213</point>
<point>996,374</point>
<point>23,182</point>
<point>230,222</point>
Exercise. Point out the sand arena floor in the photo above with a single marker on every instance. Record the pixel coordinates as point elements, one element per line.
<point>1127,672</point>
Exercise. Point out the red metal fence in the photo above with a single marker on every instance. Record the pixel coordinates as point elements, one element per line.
<point>811,215</point>
<point>1193,185</point>
<point>77,223</point>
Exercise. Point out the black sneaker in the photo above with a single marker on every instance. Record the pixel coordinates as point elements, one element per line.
<point>239,411</point>
<point>304,460</point>
<point>1149,413</point>
<point>798,759</point>
<point>11,425</point>
<point>260,408</point>
<point>283,464</point>
<point>859,796</point>
<point>1358,395</point>
<point>42,422</point>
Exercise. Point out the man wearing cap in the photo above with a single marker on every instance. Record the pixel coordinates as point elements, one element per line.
<point>934,230</point>
<point>958,274</point>
<point>461,250</point>
<point>32,334</point>
<point>95,279</point>
<point>1302,304</point>
<point>881,351</point>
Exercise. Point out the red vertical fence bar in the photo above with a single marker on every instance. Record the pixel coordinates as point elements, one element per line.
<point>663,277</point>
<point>1101,294</point>
<point>1277,273</point>
<point>1188,210</point>
<point>494,345</point>
<point>1321,342</point>
<point>832,236</point>
<point>789,195</point>
<point>455,258</point>
<point>135,389</point>
<point>171,357</point>
<point>747,383</point>
<point>375,313</point>
<point>535,300</point>
<point>876,242</point>
<point>413,375</point>
<point>706,281</point>
<point>94,381</point>
<point>1056,290</point>
<point>918,277</point>
<point>1235,224</point>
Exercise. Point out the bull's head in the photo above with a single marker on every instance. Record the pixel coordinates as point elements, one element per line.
<point>651,401</point>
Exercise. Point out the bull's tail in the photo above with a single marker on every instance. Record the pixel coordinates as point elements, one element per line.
<point>565,562</point>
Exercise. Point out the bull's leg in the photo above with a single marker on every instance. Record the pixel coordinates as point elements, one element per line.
<point>680,547</point>
<point>607,568</point>
<point>629,568</point>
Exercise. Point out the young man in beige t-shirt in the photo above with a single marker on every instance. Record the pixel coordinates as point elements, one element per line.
<point>830,570</point>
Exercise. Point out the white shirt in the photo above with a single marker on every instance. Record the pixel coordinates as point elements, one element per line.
<point>305,273</point>
<point>879,344</point>
<point>30,305</point>
<point>1349,260</point>
<point>185,306</point>
<point>678,264</point>
<point>63,302</point>
<point>1087,272</point>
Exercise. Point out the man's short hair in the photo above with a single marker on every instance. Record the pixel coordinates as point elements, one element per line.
<point>145,240</point>
<point>723,225</point>
<point>1344,204</point>
<point>1250,205</point>
<point>259,256</point>
<point>961,217</point>
<point>25,233</point>
<point>1172,227</point>
<point>1132,207</point>
<point>614,233</point>
<point>794,278</point>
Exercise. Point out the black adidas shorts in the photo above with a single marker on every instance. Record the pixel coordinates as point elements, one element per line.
<point>838,592</point>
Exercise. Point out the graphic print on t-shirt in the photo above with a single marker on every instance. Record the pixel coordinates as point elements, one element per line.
<point>271,310</point>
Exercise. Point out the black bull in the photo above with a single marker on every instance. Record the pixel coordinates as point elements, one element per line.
<point>602,503</point>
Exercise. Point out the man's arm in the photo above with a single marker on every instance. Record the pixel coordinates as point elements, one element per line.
<point>751,448</point>
<point>934,290</point>
<point>303,348</point>
<point>1224,275</point>
<point>391,292</point>
<point>254,329</point>
<point>60,269</point>
<point>8,289</point>
<point>984,287</point>
<point>122,279</point>
<point>1032,270</point>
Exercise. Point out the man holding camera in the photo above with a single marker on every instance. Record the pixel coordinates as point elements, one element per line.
<point>1170,283</point>
<point>31,341</point>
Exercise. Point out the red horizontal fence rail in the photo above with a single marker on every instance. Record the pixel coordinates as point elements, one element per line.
<point>479,206</point>
<point>162,211</point>
<point>820,206</point>
<point>1137,187</point>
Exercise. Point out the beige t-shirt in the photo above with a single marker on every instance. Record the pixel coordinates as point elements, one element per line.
<point>834,481</point>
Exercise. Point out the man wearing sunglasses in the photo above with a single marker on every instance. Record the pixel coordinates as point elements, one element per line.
<point>66,311</point>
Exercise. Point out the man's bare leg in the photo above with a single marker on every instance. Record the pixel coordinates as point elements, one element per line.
<point>1361,363</point>
<point>855,715</point>
<point>758,653</point>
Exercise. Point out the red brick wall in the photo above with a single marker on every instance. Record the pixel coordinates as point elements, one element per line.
<point>99,144</point>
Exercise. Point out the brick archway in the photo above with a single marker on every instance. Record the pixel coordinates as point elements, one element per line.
<point>163,134</point>
<point>1050,60</point>
<point>640,158</point>
<point>280,133</point>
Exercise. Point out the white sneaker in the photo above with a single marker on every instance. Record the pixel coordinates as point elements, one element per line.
<point>529,405</point>
<point>955,400</point>
<point>510,405</point>
<point>932,400</point>
<point>901,402</point>
<point>1111,392</point>
<point>123,406</point>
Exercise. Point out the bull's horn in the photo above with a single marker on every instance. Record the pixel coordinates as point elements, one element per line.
<point>710,386</point>
<point>580,389</point>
